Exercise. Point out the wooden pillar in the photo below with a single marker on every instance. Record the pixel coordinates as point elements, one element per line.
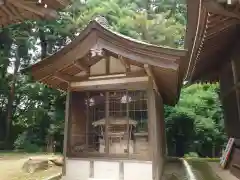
<point>155,108</point>
<point>66,131</point>
<point>235,80</point>
<point>107,123</point>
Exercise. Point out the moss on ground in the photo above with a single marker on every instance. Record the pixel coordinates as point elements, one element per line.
<point>201,168</point>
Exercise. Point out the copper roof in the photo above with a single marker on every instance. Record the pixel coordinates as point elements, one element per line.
<point>15,11</point>
<point>211,33</point>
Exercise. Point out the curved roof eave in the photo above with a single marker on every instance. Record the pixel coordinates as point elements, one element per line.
<point>208,21</point>
<point>130,42</point>
<point>192,33</point>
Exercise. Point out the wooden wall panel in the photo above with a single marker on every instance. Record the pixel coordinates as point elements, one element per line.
<point>231,115</point>
<point>78,119</point>
<point>226,79</point>
<point>230,97</point>
<point>99,68</point>
<point>116,66</point>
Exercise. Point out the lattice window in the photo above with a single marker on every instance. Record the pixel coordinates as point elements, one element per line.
<point>116,123</point>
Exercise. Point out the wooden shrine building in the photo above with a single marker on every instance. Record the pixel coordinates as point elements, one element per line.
<point>213,34</point>
<point>15,11</point>
<point>116,88</point>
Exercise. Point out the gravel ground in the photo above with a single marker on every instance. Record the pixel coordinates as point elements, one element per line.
<point>11,168</point>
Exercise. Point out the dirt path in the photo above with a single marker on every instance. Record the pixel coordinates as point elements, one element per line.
<point>11,168</point>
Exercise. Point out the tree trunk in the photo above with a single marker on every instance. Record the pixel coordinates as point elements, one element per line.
<point>213,150</point>
<point>5,46</point>
<point>11,100</point>
<point>43,43</point>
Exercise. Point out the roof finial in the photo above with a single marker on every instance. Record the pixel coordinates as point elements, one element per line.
<point>102,20</point>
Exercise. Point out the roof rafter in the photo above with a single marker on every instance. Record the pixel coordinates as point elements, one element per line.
<point>81,65</point>
<point>217,8</point>
<point>41,11</point>
<point>16,11</point>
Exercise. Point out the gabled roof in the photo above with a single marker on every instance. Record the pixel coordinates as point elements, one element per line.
<point>211,33</point>
<point>15,11</point>
<point>94,31</point>
<point>165,62</point>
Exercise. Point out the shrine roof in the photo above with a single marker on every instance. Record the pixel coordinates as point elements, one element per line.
<point>211,33</point>
<point>78,60</point>
<point>16,11</point>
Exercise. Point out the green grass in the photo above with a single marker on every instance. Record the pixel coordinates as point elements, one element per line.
<point>201,168</point>
<point>20,154</point>
<point>204,159</point>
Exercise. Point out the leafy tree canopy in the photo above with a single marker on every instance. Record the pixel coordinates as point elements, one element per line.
<point>31,113</point>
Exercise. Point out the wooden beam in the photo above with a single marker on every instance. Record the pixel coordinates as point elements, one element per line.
<point>81,65</point>
<point>68,78</point>
<point>107,65</point>
<point>220,28</point>
<point>15,12</point>
<point>41,11</point>
<point>216,8</point>
<point>62,3</point>
<point>61,77</point>
<point>114,83</point>
<point>149,72</point>
<point>235,79</point>
<point>139,73</point>
<point>109,76</point>
<point>153,129</point>
<point>6,11</point>
<point>125,63</point>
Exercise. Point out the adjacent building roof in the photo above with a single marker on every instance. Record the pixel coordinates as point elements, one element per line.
<point>15,11</point>
<point>211,33</point>
<point>74,60</point>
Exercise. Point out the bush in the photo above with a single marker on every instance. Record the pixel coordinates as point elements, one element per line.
<point>191,155</point>
<point>25,144</point>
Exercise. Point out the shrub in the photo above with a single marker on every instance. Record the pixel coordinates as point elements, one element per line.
<point>25,144</point>
<point>191,155</point>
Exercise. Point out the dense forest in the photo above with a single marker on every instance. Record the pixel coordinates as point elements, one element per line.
<point>32,115</point>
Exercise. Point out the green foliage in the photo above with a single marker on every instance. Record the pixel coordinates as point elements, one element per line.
<point>199,117</point>
<point>191,155</point>
<point>25,144</point>
<point>38,111</point>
